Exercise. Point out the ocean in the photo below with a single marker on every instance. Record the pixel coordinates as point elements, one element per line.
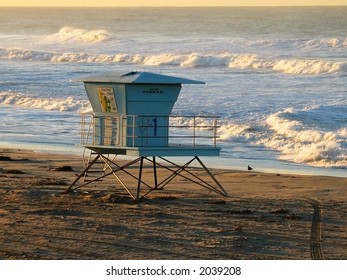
<point>277,76</point>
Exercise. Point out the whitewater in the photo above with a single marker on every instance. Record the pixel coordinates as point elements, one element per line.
<point>275,76</point>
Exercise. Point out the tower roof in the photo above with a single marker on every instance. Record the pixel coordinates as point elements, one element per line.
<point>136,77</point>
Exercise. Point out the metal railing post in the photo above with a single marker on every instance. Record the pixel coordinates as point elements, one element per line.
<point>194,124</point>
<point>215,132</point>
<point>120,128</point>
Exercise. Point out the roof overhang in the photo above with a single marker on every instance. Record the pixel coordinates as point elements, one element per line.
<point>136,78</point>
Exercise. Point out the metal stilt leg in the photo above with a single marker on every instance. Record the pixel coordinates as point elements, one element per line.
<point>139,180</point>
<point>135,192</point>
<point>82,173</point>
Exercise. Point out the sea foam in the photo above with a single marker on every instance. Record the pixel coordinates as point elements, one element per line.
<point>296,66</point>
<point>79,35</point>
<point>301,144</point>
<point>50,104</point>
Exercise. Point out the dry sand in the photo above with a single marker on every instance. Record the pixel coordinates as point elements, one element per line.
<point>267,216</point>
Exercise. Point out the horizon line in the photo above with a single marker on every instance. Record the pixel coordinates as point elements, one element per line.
<point>173,6</point>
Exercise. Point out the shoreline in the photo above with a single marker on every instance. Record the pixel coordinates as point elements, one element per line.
<point>224,163</point>
<point>266,216</point>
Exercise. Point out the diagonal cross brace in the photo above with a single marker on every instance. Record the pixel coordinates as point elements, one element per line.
<point>176,171</point>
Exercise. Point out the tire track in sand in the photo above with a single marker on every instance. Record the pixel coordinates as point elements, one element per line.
<point>316,230</point>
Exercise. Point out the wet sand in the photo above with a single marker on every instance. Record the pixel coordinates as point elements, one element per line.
<point>266,216</point>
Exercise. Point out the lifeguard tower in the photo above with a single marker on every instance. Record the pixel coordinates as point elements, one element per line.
<point>132,117</point>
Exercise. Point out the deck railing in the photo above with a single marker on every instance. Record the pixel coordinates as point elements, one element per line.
<point>135,130</point>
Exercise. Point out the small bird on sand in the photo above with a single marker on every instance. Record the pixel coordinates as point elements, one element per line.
<point>249,168</point>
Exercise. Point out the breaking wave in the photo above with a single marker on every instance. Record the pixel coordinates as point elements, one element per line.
<point>50,104</point>
<point>79,35</point>
<point>284,131</point>
<point>191,60</point>
<point>334,43</point>
<point>296,140</point>
<point>303,144</point>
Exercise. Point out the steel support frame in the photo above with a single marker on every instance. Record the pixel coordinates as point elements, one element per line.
<point>112,168</point>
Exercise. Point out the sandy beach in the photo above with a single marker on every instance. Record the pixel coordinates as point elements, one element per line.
<point>266,216</point>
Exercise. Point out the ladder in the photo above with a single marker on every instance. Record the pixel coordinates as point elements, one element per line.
<point>97,171</point>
